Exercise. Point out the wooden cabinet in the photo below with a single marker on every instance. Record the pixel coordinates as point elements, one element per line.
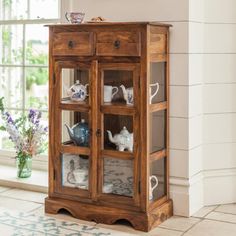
<point>118,168</point>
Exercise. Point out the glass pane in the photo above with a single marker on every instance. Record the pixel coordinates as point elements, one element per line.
<point>157,179</point>
<point>13,9</point>
<point>118,87</point>
<point>157,82</point>
<point>75,128</point>
<point>118,132</point>
<point>157,131</point>
<point>118,177</point>
<point>44,121</point>
<point>75,171</point>
<point>38,9</point>
<point>11,86</point>
<point>75,85</point>
<point>36,45</point>
<point>36,94</point>
<point>11,44</point>
<point>47,9</point>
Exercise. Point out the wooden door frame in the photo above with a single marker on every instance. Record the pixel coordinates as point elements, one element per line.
<point>124,201</point>
<point>56,153</point>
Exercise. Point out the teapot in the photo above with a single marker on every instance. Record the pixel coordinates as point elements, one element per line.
<point>123,140</point>
<point>128,94</point>
<point>79,133</point>
<point>78,92</point>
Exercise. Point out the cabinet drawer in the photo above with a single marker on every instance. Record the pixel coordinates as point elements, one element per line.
<point>121,43</point>
<point>73,44</point>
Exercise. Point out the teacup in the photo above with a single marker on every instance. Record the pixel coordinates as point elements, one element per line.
<point>108,94</point>
<point>75,17</point>
<point>151,188</point>
<point>81,176</point>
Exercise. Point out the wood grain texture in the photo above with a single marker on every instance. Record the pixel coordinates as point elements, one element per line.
<point>109,215</point>
<point>73,43</point>
<point>112,54</point>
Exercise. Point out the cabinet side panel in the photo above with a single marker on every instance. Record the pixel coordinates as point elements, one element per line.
<point>158,44</point>
<point>51,118</point>
<point>143,118</point>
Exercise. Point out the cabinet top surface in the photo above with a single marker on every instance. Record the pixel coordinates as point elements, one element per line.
<point>137,23</point>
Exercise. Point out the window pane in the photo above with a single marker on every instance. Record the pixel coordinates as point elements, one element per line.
<point>36,94</point>
<point>17,9</point>
<point>44,122</point>
<point>44,9</point>
<point>5,142</point>
<point>13,9</point>
<point>11,86</point>
<point>36,45</point>
<point>11,42</point>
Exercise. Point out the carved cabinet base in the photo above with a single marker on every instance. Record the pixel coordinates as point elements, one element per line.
<point>109,215</point>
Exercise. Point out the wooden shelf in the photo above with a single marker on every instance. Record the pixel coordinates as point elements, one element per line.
<point>116,154</point>
<point>157,155</point>
<point>75,149</point>
<point>158,106</point>
<point>74,106</point>
<point>118,109</point>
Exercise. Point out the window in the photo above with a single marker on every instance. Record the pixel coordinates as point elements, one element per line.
<point>24,56</point>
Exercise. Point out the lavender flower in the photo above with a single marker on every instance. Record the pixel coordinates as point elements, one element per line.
<point>8,118</point>
<point>28,135</point>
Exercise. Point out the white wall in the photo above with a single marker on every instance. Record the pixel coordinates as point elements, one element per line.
<point>203,102</point>
<point>212,27</point>
<point>219,109</point>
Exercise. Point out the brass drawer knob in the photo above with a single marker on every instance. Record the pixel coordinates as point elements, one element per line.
<point>70,44</point>
<point>117,44</point>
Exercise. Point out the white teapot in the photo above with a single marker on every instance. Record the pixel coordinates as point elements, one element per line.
<point>123,140</point>
<point>78,92</point>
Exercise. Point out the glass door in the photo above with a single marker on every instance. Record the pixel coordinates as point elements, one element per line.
<point>73,162</point>
<point>158,130</point>
<point>118,133</point>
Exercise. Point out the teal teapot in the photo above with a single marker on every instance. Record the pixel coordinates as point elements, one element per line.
<point>79,133</point>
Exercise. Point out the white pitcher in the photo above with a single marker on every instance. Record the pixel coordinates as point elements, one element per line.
<point>151,188</point>
<point>151,96</point>
<point>108,94</point>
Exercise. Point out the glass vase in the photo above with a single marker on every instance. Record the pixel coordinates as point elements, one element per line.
<point>24,166</point>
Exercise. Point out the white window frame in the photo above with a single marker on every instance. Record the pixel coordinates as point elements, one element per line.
<point>7,157</point>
